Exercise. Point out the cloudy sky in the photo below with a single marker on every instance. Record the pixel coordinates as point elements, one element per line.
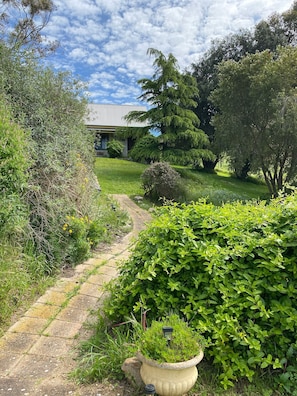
<point>105,42</point>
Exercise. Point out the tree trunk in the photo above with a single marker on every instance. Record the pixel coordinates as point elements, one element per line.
<point>209,166</point>
<point>242,173</point>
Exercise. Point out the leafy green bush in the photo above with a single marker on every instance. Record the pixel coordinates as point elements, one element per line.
<point>160,180</point>
<point>230,270</point>
<point>81,234</point>
<point>115,148</point>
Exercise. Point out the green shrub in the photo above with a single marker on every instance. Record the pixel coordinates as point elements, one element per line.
<point>51,106</point>
<point>230,270</point>
<point>81,234</point>
<point>185,343</point>
<point>160,180</point>
<point>115,148</point>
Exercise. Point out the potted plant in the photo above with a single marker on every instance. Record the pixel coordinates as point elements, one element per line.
<point>169,351</point>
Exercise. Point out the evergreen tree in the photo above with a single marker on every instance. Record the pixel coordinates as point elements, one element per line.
<point>170,96</point>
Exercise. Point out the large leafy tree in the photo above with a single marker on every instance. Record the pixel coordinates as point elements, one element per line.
<point>278,30</point>
<point>170,96</point>
<point>257,101</point>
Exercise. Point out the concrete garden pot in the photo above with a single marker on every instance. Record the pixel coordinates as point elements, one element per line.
<point>170,379</point>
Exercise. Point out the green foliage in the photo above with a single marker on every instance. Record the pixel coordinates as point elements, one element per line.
<point>46,178</point>
<point>22,279</point>
<point>14,165</point>
<point>262,85</point>
<point>115,148</point>
<point>229,270</point>
<point>81,235</point>
<point>185,343</point>
<point>161,181</point>
<point>61,179</point>
<point>146,149</point>
<point>278,30</point>
<point>14,154</point>
<point>170,96</point>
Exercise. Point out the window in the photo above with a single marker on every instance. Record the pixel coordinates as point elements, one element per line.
<point>101,140</point>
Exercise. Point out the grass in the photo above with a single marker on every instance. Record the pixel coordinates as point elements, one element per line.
<point>220,186</point>
<point>119,176</point>
<point>21,281</point>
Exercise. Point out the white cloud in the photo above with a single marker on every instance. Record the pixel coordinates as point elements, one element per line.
<point>106,40</point>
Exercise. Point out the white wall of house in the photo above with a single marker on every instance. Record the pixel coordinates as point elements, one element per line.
<point>103,119</point>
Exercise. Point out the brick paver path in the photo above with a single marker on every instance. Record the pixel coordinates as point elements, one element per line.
<point>37,353</point>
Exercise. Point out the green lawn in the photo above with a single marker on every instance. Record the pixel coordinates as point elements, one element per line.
<point>119,176</point>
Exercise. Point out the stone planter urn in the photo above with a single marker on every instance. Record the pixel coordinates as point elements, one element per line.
<point>170,379</point>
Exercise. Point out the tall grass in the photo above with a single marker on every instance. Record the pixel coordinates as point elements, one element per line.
<point>22,279</point>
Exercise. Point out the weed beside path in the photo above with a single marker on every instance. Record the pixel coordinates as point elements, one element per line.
<point>38,352</point>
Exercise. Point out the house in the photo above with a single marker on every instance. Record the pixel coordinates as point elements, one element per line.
<point>103,119</point>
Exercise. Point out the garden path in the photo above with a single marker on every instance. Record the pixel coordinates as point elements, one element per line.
<point>38,352</point>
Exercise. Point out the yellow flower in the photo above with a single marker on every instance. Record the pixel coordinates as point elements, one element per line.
<point>70,231</point>
<point>65,226</point>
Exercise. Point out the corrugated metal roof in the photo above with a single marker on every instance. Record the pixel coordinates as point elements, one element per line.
<point>111,115</point>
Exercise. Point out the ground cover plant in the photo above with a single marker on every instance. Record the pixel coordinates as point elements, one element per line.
<point>230,271</point>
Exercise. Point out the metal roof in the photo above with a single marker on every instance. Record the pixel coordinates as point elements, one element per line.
<point>107,115</point>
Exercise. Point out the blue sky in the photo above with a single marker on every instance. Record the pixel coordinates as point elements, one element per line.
<point>105,42</point>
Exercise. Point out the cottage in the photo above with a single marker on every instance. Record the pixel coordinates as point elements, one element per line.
<point>104,119</point>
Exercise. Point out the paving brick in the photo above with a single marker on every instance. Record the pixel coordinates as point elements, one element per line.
<point>63,329</point>
<point>83,302</point>
<point>89,289</point>
<point>17,342</point>
<point>35,367</point>
<point>99,279</point>
<point>70,314</point>
<point>51,346</point>
<point>81,268</point>
<point>29,325</point>
<point>15,387</point>
<point>65,285</point>
<point>42,311</point>
<point>53,297</point>
<point>8,360</point>
<point>108,270</point>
